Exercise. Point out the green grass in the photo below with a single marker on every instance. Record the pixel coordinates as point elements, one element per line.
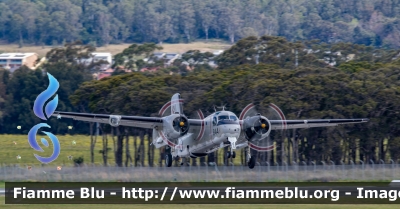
<point>194,206</point>
<point>9,151</point>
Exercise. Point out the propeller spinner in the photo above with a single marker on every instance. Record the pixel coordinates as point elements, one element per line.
<point>181,124</point>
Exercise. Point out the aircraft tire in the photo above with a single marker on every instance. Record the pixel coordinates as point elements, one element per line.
<point>252,162</point>
<point>228,154</point>
<point>168,160</point>
<point>233,154</point>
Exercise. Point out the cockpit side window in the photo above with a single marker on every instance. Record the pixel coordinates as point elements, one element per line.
<point>232,117</point>
<point>215,121</point>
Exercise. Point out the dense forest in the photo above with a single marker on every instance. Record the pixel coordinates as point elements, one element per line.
<point>101,22</point>
<point>293,75</point>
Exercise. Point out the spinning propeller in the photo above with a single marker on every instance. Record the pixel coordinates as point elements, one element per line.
<point>257,125</point>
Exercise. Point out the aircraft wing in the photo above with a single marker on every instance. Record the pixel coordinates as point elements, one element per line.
<point>310,123</point>
<point>134,121</point>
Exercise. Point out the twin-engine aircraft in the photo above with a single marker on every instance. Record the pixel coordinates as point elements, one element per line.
<point>194,138</point>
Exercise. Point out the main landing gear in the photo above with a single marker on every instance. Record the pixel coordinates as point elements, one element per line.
<point>168,160</point>
<point>252,162</point>
<point>251,159</point>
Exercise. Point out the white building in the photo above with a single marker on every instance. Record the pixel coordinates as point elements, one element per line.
<point>13,61</point>
<point>98,56</point>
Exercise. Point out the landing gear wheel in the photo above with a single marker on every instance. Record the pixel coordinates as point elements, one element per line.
<point>168,160</point>
<point>233,154</point>
<point>228,154</point>
<point>252,162</point>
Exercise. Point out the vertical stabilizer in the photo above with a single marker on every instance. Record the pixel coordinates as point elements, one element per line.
<point>176,104</point>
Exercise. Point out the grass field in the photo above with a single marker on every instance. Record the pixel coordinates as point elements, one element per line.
<point>195,206</point>
<point>117,48</point>
<point>9,151</point>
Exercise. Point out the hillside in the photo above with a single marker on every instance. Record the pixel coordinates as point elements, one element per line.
<point>102,22</point>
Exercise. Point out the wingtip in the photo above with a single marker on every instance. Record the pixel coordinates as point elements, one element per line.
<point>365,120</point>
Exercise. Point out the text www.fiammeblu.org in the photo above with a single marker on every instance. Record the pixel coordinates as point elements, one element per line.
<point>232,193</point>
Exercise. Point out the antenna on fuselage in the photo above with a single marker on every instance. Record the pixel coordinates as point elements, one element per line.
<point>222,107</point>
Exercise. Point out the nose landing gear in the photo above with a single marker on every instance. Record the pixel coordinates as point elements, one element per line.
<point>230,154</point>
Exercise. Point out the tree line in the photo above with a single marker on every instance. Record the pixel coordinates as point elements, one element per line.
<point>365,87</point>
<point>52,22</point>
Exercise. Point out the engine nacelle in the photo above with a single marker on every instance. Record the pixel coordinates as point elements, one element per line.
<point>114,120</point>
<point>175,126</point>
<point>256,128</point>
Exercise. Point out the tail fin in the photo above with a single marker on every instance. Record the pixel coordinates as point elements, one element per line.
<point>176,104</point>
<point>167,108</point>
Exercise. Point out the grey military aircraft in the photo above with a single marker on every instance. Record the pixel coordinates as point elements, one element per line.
<point>197,137</point>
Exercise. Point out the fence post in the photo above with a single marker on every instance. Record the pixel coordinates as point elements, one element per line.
<point>217,170</point>
<point>259,171</point>
<point>341,162</point>
<point>233,173</point>
<point>277,166</point>
<point>383,168</point>
<point>352,168</point>
<point>206,172</point>
<point>198,171</point>
<point>323,164</point>
<point>362,162</point>
<point>373,168</point>
<point>305,167</point>
<point>268,173</point>
<point>333,165</point>
<point>287,177</point>
<point>296,168</point>
<point>392,162</point>
<point>315,166</point>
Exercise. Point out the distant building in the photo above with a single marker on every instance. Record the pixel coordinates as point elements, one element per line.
<point>107,73</point>
<point>218,52</point>
<point>149,69</point>
<point>13,61</point>
<point>98,56</point>
<point>168,58</point>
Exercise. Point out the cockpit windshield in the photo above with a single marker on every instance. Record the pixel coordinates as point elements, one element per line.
<point>223,117</point>
<point>226,119</point>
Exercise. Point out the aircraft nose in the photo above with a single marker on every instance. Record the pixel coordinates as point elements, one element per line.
<point>233,129</point>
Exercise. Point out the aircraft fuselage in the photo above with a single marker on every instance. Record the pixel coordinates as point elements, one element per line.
<point>218,130</point>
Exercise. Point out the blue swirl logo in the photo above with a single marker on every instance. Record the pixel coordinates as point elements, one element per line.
<point>44,115</point>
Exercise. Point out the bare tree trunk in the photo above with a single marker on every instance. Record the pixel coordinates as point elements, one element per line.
<point>120,145</point>
<point>92,143</point>
<point>216,157</point>
<point>127,152</point>
<point>290,141</point>
<point>194,161</point>
<point>162,155</point>
<point>206,32</point>
<point>105,145</point>
<point>202,161</point>
<point>294,147</point>
<point>114,144</point>
<point>149,150</point>
<point>135,147</point>
<point>141,147</point>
